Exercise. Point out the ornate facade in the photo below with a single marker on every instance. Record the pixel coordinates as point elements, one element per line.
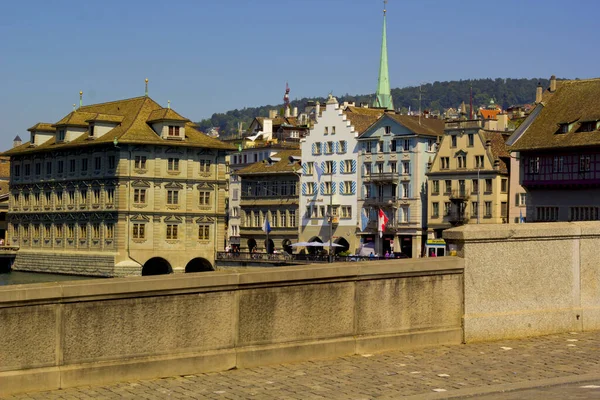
<point>120,188</point>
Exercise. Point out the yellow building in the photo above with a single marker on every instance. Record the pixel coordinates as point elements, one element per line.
<point>468,181</point>
<point>120,188</point>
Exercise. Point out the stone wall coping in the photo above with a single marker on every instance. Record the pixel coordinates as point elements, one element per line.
<point>87,290</point>
<point>528,231</point>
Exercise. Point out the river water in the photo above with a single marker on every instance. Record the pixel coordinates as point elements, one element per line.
<point>18,277</point>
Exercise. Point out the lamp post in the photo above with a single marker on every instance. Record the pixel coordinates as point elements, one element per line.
<point>478,202</point>
<point>331,212</point>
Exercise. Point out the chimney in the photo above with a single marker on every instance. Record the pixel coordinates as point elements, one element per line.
<point>552,83</point>
<point>272,114</point>
<point>317,109</point>
<point>502,124</point>
<point>287,112</point>
<point>295,112</point>
<point>538,93</point>
<point>267,126</point>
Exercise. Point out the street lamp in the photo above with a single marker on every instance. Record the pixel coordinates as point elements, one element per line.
<point>478,191</point>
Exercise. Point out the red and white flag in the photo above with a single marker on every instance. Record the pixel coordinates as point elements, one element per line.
<point>382,221</point>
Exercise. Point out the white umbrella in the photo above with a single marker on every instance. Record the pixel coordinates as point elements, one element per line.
<point>300,244</point>
<point>332,245</point>
<point>314,244</point>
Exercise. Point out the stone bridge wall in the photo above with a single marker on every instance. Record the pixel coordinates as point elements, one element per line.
<point>93,332</point>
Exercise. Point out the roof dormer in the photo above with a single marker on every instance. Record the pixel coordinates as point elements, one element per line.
<point>41,133</point>
<point>101,124</point>
<point>168,124</point>
<point>72,126</point>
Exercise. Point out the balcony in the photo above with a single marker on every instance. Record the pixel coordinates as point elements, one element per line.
<point>460,194</point>
<point>458,218</point>
<point>381,177</point>
<point>381,201</point>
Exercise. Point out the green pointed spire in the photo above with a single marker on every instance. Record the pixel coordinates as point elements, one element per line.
<point>384,96</point>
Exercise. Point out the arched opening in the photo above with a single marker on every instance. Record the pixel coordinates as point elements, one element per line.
<point>156,266</point>
<point>251,244</point>
<point>287,246</point>
<point>270,246</point>
<point>315,249</point>
<point>342,242</point>
<point>199,265</point>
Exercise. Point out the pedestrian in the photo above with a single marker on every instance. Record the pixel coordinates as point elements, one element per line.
<point>371,256</point>
<point>392,254</point>
<point>387,254</point>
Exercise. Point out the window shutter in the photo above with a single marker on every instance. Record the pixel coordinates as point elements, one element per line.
<point>304,168</point>
<point>353,166</point>
<point>323,147</point>
<point>342,188</point>
<point>333,187</point>
<point>342,167</point>
<point>304,189</point>
<point>353,187</point>
<point>314,148</point>
<point>322,187</point>
<point>337,147</point>
<point>323,166</point>
<point>334,167</point>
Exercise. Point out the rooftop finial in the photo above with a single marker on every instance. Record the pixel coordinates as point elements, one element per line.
<point>384,4</point>
<point>146,93</point>
<point>74,105</point>
<point>169,104</point>
<point>80,98</point>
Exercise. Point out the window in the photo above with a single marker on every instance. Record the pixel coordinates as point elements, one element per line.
<point>328,167</point>
<point>96,193</point>
<point>59,230</point>
<point>405,190</point>
<point>173,164</point>
<point>405,167</point>
<point>583,213</point>
<point>547,213</point>
<point>393,145</point>
<point>83,231</point>
<point>379,167</point>
<point>447,208</point>
<point>558,164</point>
<point>38,168</point>
<point>393,166</point>
<point>381,148</point>
<point>504,185</point>
<point>36,231</point>
<point>348,187</point>
<point>26,198</point>
<point>204,165</point>
<point>369,147</point>
<point>61,135</point>
<point>453,138</point>
<point>462,161</point>
<point>348,166</point>
<point>140,162</point>
<point>111,162</point>
<point>326,132</point>
<point>317,148</point>
<point>235,194</point>
<point>488,209</point>
<point>59,198</point>
<point>475,186</point>
<point>91,130</point>
<point>471,139</point>
<point>587,126</point>
<point>488,186</point>
<point>139,196</point>
<point>97,163</point>
<point>474,209</point>
<point>256,218</point>
<point>292,214</point>
<point>48,198</point>
<point>564,128</point>
<point>310,188</point>
<point>173,197</point>
<point>504,209</point>
<point>445,162</point>
<point>203,232</point>
<point>61,167</point>
<point>139,231</point>
<point>310,168</point>
<point>70,231</point>
<point>36,199</point>
<point>435,210</point>
<point>448,186</point>
<point>71,165</point>
<point>346,212</point>
<point>204,198</point>
<point>329,148</point>
<point>367,169</point>
<point>84,165</point>
<point>388,129</point>
<point>27,169</point>
<point>83,196</point>
<point>96,231</point>
<point>109,231</point>
<point>521,199</point>
<point>406,145</point>
<point>430,144</point>
<point>479,163</point>
<point>333,130</point>
<point>534,165</point>
<point>435,187</point>
<point>71,197</point>
<point>327,188</point>
<point>48,167</point>
<point>17,170</point>
<point>282,219</point>
<point>110,196</point>
<point>343,146</point>
<point>173,130</point>
<point>584,163</point>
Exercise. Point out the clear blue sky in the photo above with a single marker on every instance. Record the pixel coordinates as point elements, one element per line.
<point>212,56</point>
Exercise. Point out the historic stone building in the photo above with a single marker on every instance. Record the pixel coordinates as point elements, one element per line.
<point>268,190</point>
<point>119,188</point>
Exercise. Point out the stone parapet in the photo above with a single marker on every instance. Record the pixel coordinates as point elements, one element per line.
<point>71,263</point>
<point>93,332</point>
<point>529,279</point>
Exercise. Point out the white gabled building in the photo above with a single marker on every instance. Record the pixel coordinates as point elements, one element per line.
<point>331,144</point>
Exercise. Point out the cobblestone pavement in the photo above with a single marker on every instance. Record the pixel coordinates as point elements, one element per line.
<point>437,372</point>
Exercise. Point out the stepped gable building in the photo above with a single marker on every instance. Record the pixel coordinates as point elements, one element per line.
<point>120,188</point>
<point>329,203</point>
<point>394,154</point>
<point>559,147</point>
<point>469,177</point>
<point>268,190</point>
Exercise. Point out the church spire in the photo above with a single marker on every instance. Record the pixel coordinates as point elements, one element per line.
<point>384,96</point>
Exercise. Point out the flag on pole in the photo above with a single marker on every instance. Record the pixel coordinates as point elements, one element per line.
<point>319,171</point>
<point>382,221</point>
<point>266,227</point>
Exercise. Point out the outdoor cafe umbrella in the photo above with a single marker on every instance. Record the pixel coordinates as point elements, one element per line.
<point>300,244</point>
<point>319,244</point>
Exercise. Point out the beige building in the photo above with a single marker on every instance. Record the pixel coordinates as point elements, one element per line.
<point>120,188</point>
<point>468,179</point>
